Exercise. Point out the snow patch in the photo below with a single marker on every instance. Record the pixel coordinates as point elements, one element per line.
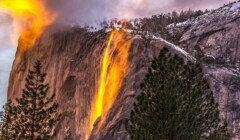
<point>137,37</point>
<point>177,48</point>
<point>235,6</point>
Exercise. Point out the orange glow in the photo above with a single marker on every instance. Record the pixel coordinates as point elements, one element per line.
<point>29,19</point>
<point>114,67</point>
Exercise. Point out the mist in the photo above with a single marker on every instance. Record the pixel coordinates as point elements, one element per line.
<point>90,11</point>
<point>7,52</point>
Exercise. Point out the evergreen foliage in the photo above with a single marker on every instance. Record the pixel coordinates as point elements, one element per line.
<point>1,117</point>
<point>34,115</point>
<point>156,24</point>
<point>8,117</point>
<point>175,104</point>
<point>36,119</point>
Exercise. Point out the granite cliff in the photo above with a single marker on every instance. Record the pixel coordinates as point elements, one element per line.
<point>72,58</point>
<point>214,39</point>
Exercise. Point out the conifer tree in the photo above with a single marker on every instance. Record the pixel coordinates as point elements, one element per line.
<point>37,109</point>
<point>175,104</point>
<point>1,118</point>
<point>1,115</point>
<point>7,124</point>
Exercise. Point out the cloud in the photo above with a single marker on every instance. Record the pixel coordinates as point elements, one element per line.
<point>87,11</point>
<point>199,4</point>
<point>7,53</point>
<point>81,11</point>
<point>6,60</point>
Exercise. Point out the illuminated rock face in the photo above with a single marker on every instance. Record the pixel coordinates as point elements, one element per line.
<point>72,58</point>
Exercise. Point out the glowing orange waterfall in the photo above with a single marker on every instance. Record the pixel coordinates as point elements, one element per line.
<point>113,70</point>
<point>29,19</point>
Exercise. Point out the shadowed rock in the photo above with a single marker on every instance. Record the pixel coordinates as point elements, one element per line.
<point>214,39</point>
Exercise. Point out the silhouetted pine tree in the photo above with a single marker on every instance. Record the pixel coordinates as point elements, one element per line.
<point>1,116</point>
<point>175,104</point>
<point>8,118</point>
<point>37,109</point>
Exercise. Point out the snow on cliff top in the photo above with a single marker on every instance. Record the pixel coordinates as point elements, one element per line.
<point>230,10</point>
<point>225,13</point>
<point>235,6</point>
<point>177,49</point>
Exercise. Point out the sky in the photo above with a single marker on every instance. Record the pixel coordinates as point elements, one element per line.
<point>92,10</point>
<point>7,53</point>
<point>89,11</point>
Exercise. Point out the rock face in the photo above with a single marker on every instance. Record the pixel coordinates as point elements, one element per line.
<point>214,39</point>
<point>72,58</point>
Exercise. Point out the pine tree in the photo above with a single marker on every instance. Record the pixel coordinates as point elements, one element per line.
<point>1,117</point>
<point>8,118</point>
<point>37,109</point>
<point>68,134</point>
<point>175,104</point>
